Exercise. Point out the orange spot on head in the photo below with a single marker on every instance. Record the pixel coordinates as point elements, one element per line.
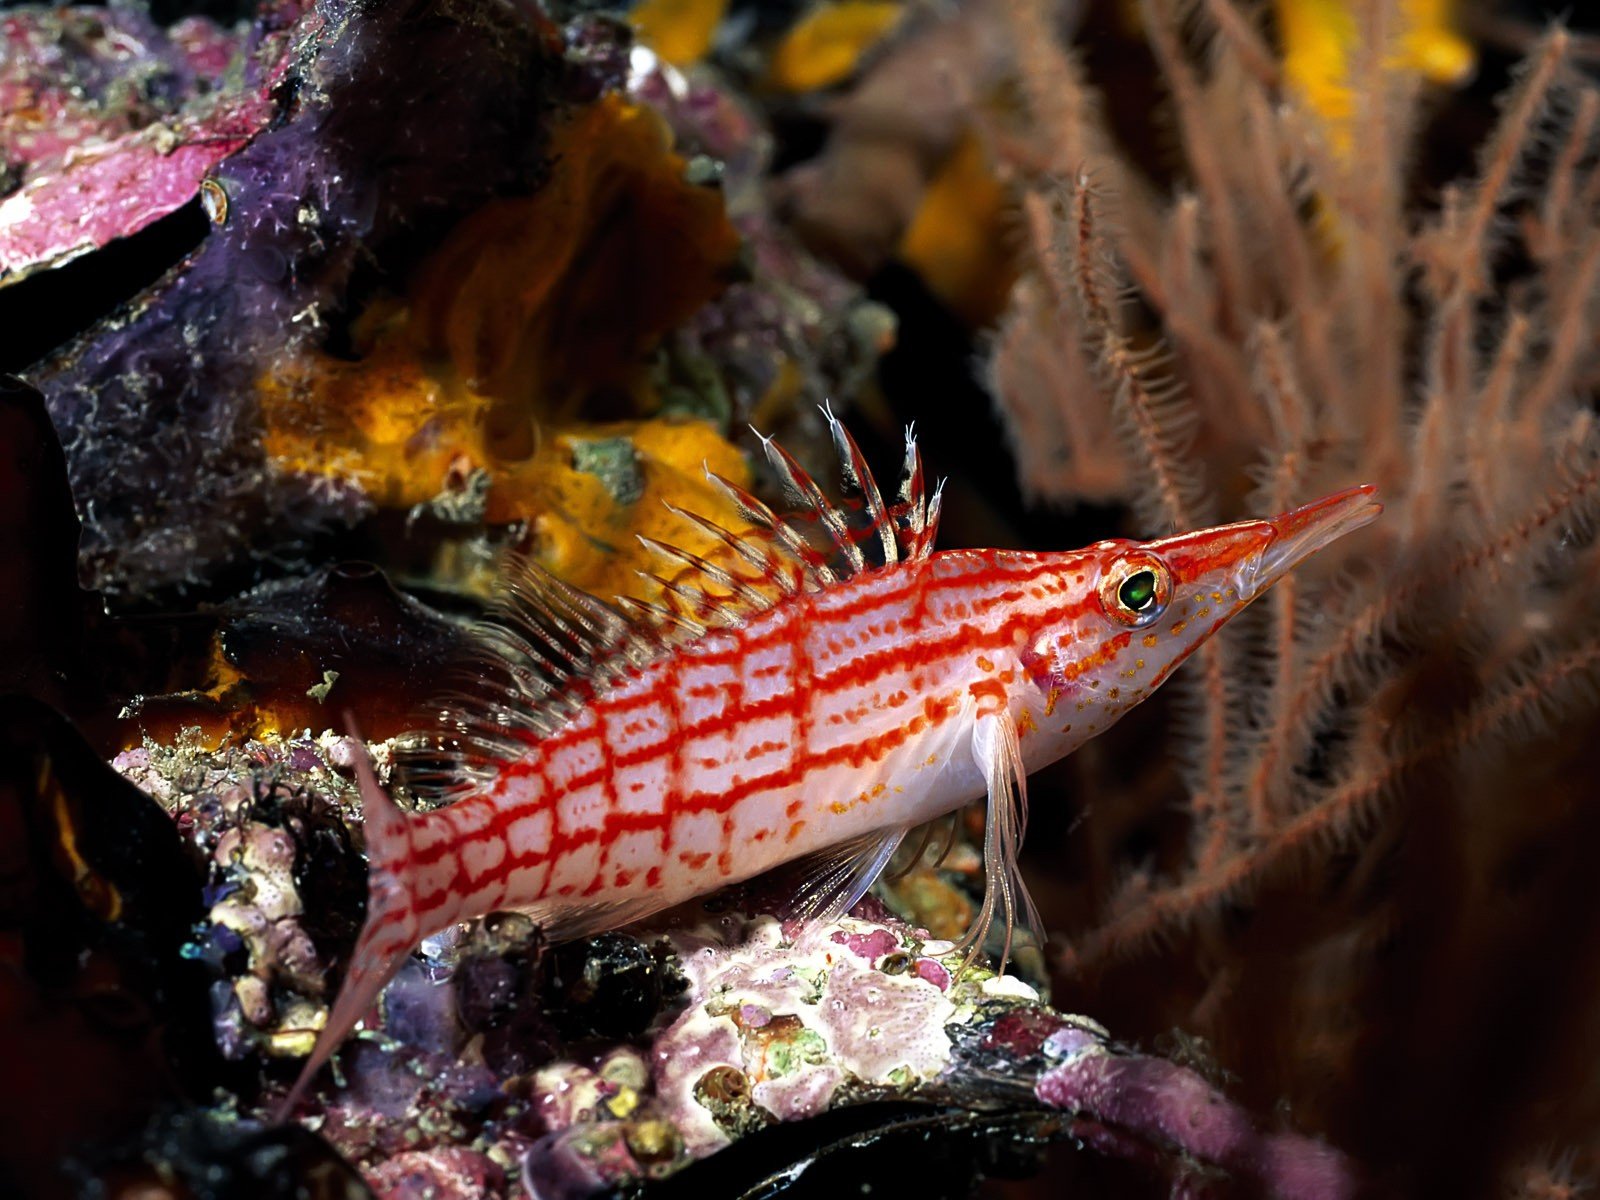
<point>988,693</point>
<point>794,831</point>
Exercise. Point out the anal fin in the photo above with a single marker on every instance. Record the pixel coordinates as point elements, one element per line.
<point>834,879</point>
<point>565,922</point>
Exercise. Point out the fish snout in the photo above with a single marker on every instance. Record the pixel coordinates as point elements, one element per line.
<point>1298,534</point>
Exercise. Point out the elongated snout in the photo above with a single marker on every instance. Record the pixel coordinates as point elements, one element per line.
<point>1253,555</point>
<point>1297,535</point>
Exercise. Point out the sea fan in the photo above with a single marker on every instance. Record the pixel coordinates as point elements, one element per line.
<point>1389,778</point>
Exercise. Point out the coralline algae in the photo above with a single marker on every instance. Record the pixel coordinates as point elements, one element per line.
<point>630,1056</point>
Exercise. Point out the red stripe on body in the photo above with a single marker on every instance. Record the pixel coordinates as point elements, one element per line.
<point>791,623</point>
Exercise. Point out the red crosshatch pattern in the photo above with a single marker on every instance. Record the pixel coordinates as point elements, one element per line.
<point>730,756</point>
<point>861,706</point>
<point>834,713</point>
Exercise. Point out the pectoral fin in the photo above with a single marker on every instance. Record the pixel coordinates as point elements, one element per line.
<point>999,756</point>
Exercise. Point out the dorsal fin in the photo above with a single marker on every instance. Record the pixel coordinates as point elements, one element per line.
<point>774,556</point>
<point>549,648</point>
<point>546,648</point>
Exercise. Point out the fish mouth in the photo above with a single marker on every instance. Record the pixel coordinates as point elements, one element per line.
<point>1297,535</point>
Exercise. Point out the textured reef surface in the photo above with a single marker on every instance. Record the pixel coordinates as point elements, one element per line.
<point>629,1056</point>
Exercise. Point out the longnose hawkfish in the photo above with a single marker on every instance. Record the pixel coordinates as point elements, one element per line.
<point>824,688</point>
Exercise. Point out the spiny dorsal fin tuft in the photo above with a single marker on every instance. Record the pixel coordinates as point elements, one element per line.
<point>549,648</point>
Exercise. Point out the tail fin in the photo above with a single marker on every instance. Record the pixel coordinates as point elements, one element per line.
<point>391,930</point>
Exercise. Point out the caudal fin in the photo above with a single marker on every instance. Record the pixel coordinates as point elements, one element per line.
<point>391,930</point>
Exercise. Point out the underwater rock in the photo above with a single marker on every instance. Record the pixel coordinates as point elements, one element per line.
<point>625,1058</point>
<point>43,613</point>
<point>264,661</point>
<point>608,986</point>
<point>197,1155</point>
<point>1174,1108</point>
<point>284,887</point>
<point>103,1015</point>
<point>293,654</point>
<point>447,1174</point>
<point>361,163</point>
<point>109,122</point>
<point>496,985</point>
<point>794,332</point>
<point>406,293</point>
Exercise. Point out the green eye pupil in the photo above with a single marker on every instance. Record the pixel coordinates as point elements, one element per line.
<point>1138,591</point>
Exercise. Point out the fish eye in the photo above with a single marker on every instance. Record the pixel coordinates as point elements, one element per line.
<point>1137,589</point>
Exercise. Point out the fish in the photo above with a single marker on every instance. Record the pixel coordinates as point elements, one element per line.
<point>823,686</point>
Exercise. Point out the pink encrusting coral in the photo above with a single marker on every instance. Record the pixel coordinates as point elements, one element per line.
<point>112,122</point>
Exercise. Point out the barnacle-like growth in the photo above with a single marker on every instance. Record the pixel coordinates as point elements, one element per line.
<point>1405,719</point>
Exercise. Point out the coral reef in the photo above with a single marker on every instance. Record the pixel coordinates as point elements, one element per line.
<point>628,1057</point>
<point>334,305</point>
<point>351,340</point>
<point>110,123</point>
<point>333,181</point>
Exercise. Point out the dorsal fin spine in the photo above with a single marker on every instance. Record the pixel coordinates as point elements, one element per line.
<point>756,554</point>
<point>858,475</point>
<point>554,648</point>
<point>719,575</point>
<point>798,483</point>
<point>813,562</point>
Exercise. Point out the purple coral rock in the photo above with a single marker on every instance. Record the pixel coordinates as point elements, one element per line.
<point>303,756</point>
<point>870,946</point>
<point>380,1079</point>
<point>576,1163</point>
<point>421,1013</point>
<point>754,1016</point>
<point>446,1173</point>
<point>1168,1104</point>
<point>387,122</point>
